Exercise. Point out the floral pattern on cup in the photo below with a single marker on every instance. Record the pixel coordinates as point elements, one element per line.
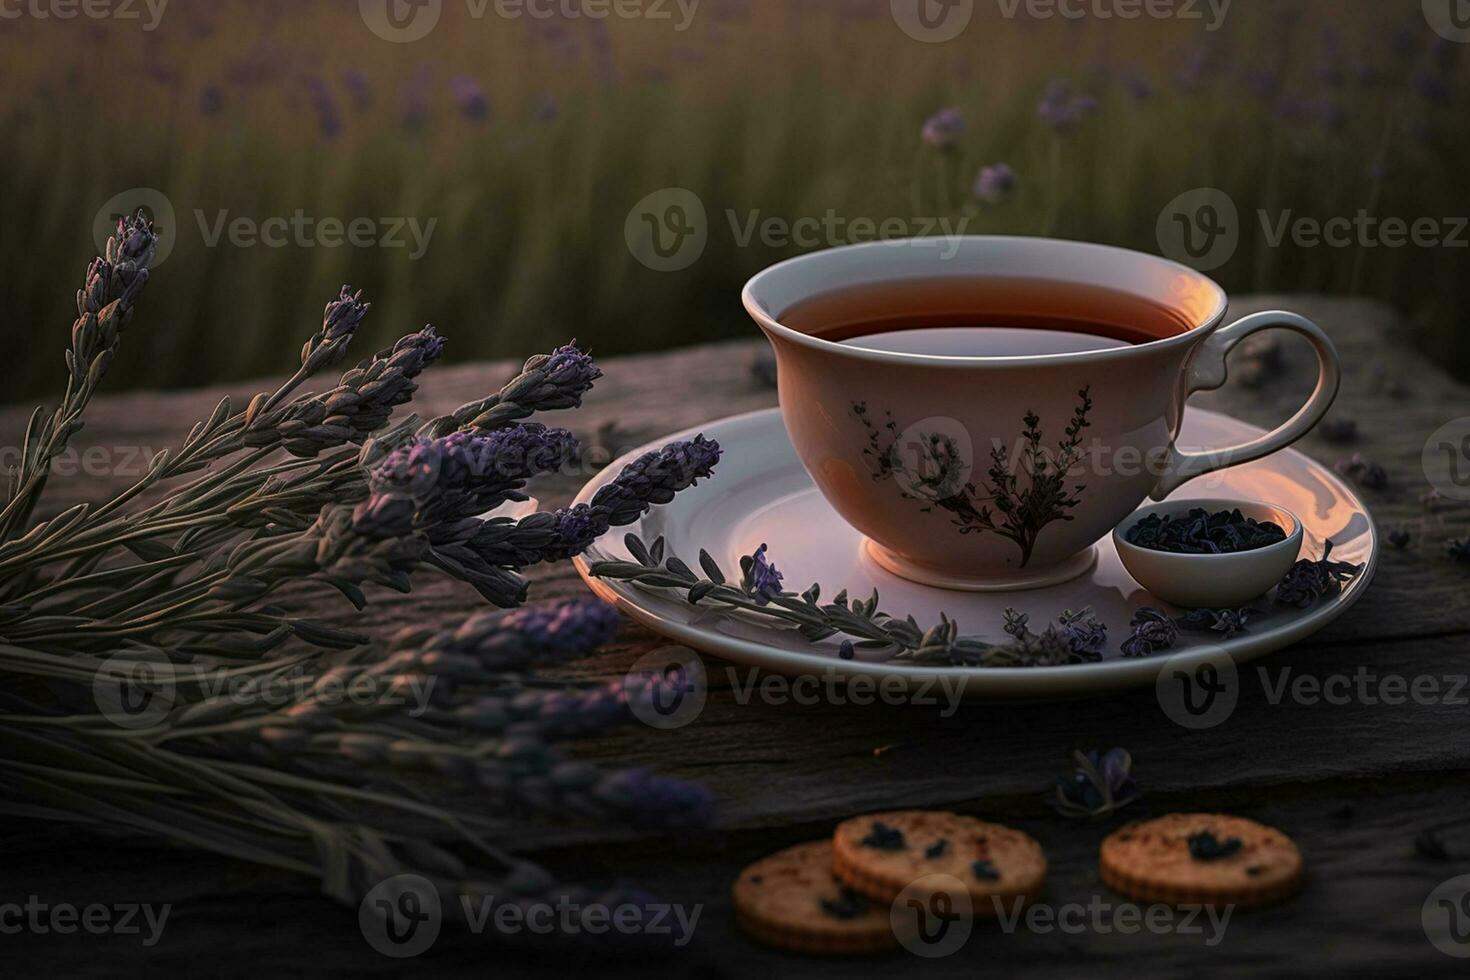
<point>1020,497</point>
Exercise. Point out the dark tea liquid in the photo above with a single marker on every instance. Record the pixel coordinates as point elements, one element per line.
<point>962,317</point>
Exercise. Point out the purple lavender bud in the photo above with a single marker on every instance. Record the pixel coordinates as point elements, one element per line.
<point>343,315</point>
<point>383,516</point>
<point>943,129</point>
<point>510,639</point>
<point>1152,631</point>
<point>763,578</point>
<point>994,183</point>
<point>469,95</point>
<point>654,478</point>
<point>657,800</point>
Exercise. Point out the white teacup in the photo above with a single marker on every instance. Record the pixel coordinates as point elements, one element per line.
<point>948,463</point>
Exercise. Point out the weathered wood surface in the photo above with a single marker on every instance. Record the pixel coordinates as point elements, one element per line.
<point>1353,783</point>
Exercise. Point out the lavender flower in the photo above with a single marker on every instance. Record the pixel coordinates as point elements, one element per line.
<point>489,643</point>
<point>361,403</point>
<point>1310,580</point>
<point>211,100</point>
<point>469,95</point>
<point>545,110</point>
<point>654,478</point>
<point>1062,110</point>
<point>547,382</point>
<point>1227,622</point>
<point>1101,784</point>
<point>762,578</point>
<point>943,129</point>
<point>1074,638</point>
<point>1152,631</point>
<point>994,183</point>
<point>1139,89</point>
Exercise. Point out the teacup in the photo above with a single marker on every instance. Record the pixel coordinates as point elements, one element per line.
<point>1000,471</point>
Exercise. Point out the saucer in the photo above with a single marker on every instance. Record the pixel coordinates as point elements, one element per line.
<point>761,494</point>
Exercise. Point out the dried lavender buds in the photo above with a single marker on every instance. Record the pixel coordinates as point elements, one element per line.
<point>1200,532</point>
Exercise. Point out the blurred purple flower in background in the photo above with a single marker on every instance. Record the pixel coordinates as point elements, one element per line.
<point>943,129</point>
<point>1139,89</point>
<point>1264,83</point>
<point>994,183</point>
<point>329,119</point>
<point>357,85</point>
<point>414,96</point>
<point>546,109</point>
<point>469,96</point>
<point>1432,87</point>
<point>1061,109</point>
<point>211,100</point>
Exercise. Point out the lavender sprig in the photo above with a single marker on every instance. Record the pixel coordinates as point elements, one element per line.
<point>1072,639</point>
<point>547,382</point>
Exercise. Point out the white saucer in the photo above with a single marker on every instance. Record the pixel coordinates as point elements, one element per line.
<point>761,494</point>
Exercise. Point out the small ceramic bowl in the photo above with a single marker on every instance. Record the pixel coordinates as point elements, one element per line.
<point>1211,581</point>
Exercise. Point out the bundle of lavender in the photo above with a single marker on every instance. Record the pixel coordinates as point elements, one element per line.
<point>149,681</point>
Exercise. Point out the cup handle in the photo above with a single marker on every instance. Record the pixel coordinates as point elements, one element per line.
<point>1207,371</point>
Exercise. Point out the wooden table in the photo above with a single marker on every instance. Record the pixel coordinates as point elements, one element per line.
<point>1353,783</point>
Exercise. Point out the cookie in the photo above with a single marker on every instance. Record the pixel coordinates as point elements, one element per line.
<point>791,900</point>
<point>1201,859</point>
<point>882,854</point>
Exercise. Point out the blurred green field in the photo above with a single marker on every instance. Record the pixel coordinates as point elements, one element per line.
<point>785,110</point>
